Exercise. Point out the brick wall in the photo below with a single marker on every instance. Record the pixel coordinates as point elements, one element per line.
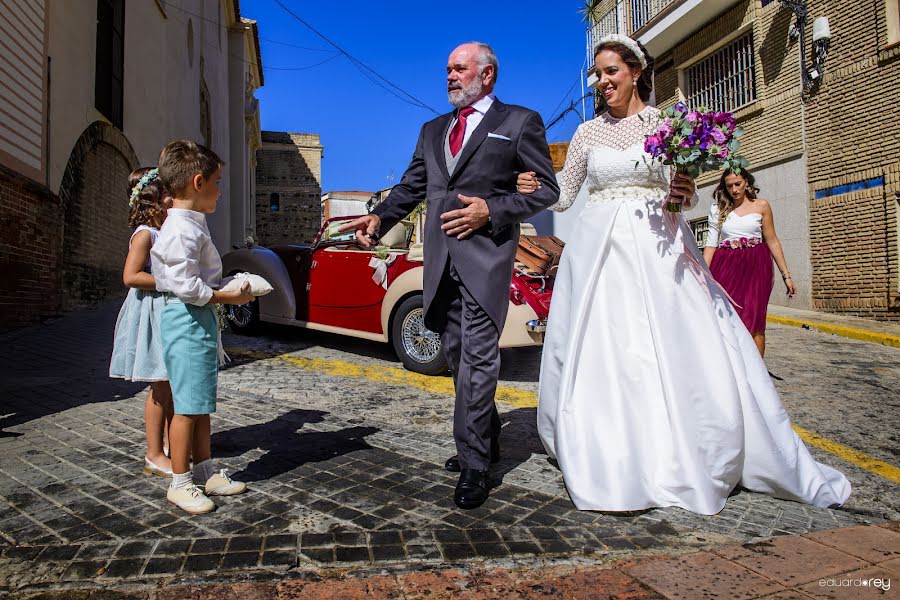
<point>96,229</point>
<point>847,130</point>
<point>30,251</point>
<point>774,122</point>
<point>854,135</point>
<point>290,165</point>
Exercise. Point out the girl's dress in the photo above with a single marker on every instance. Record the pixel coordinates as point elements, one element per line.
<point>742,265</point>
<point>137,348</point>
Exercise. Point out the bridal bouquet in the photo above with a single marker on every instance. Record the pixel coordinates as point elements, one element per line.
<point>694,141</point>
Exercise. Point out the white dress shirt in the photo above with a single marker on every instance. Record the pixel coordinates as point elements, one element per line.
<point>185,261</point>
<point>472,121</point>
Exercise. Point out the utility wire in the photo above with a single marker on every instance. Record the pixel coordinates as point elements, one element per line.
<point>571,108</point>
<point>253,63</point>
<point>359,64</point>
<point>270,40</point>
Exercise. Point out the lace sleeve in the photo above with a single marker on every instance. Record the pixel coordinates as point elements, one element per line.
<point>574,171</point>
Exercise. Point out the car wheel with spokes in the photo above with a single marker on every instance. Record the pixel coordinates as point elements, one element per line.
<point>418,347</point>
<point>243,318</point>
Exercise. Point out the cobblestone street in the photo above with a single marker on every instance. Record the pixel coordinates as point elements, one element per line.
<point>343,453</point>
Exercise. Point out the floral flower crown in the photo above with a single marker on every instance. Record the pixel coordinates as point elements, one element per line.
<point>628,43</point>
<point>139,186</point>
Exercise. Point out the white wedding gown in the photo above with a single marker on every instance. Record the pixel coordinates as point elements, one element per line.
<point>652,392</point>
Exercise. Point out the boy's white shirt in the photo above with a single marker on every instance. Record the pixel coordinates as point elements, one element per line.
<point>184,260</point>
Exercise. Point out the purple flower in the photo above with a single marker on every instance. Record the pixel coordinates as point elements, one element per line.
<point>692,117</point>
<point>717,135</point>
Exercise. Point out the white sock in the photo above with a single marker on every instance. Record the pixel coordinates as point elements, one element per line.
<point>182,480</point>
<point>203,471</point>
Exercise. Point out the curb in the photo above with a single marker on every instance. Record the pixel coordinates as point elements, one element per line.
<point>884,339</point>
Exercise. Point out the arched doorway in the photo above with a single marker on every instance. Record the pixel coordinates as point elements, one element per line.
<point>95,204</point>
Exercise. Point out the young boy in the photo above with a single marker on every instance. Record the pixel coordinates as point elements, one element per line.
<point>187,268</point>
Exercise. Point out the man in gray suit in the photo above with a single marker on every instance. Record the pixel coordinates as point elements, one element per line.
<point>465,164</point>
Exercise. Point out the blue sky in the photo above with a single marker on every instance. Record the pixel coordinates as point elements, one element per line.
<point>369,134</point>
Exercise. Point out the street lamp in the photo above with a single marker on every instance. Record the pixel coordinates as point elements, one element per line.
<point>811,75</point>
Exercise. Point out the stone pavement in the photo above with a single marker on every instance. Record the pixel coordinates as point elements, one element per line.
<point>344,475</point>
<point>856,562</point>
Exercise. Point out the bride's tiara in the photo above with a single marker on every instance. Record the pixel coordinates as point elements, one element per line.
<point>628,43</point>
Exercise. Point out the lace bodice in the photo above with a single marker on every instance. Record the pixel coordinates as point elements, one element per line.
<point>609,154</point>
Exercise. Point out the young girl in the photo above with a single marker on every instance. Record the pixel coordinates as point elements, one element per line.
<point>137,349</point>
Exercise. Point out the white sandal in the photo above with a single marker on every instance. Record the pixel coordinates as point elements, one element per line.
<point>151,468</point>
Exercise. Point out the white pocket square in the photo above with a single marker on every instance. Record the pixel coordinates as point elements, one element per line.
<point>498,136</point>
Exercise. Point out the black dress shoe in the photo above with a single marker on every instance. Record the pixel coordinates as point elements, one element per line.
<point>453,465</point>
<point>471,490</point>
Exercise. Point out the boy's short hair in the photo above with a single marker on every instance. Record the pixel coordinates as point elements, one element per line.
<point>179,161</point>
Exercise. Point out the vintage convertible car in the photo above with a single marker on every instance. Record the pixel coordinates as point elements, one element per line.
<point>332,285</point>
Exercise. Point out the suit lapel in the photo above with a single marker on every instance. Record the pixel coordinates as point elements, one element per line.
<point>438,141</point>
<point>495,115</point>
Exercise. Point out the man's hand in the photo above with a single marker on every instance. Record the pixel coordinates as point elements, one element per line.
<point>465,221</point>
<point>366,230</point>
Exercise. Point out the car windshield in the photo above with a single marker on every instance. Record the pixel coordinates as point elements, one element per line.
<point>332,236</point>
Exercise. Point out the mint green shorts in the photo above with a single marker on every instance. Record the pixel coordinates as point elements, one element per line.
<point>190,351</point>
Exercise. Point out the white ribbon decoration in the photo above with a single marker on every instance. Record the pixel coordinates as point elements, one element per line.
<point>380,276</point>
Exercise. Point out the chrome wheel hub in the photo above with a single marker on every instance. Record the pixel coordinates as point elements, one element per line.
<point>239,314</point>
<point>419,342</point>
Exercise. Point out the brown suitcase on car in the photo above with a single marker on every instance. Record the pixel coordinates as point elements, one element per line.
<point>539,253</point>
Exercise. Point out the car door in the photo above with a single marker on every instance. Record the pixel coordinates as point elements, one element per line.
<point>342,292</point>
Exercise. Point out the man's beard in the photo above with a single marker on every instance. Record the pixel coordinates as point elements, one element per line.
<point>461,98</point>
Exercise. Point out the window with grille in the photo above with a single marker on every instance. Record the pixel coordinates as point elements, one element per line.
<point>700,227</point>
<point>110,60</point>
<point>726,80</point>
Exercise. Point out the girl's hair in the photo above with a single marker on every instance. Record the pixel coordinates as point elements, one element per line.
<point>645,82</point>
<point>724,201</point>
<point>148,207</point>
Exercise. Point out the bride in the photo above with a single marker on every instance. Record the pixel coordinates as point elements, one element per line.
<point>652,392</point>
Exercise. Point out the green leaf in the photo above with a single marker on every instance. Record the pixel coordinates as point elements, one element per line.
<point>738,132</point>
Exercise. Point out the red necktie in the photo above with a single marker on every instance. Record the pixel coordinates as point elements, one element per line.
<point>459,130</point>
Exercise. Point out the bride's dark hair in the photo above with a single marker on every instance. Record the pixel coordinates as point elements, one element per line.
<point>645,82</point>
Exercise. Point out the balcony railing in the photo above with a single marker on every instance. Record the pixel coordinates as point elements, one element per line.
<point>625,16</point>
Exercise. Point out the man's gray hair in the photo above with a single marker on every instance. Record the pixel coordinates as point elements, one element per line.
<point>487,57</point>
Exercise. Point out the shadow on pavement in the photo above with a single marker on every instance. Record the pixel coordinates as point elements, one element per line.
<point>285,446</point>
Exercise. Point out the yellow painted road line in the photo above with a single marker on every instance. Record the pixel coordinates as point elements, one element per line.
<point>519,398</point>
<point>860,459</point>
<point>510,396</point>
<point>885,339</point>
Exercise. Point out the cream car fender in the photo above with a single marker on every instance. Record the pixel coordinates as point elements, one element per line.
<point>260,261</point>
<point>410,281</point>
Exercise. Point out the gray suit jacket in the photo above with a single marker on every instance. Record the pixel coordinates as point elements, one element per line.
<point>486,169</point>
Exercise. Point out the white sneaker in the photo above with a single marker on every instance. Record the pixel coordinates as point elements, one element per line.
<point>220,484</point>
<point>191,499</point>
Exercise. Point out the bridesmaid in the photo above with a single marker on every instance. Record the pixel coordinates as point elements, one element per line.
<point>739,250</point>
